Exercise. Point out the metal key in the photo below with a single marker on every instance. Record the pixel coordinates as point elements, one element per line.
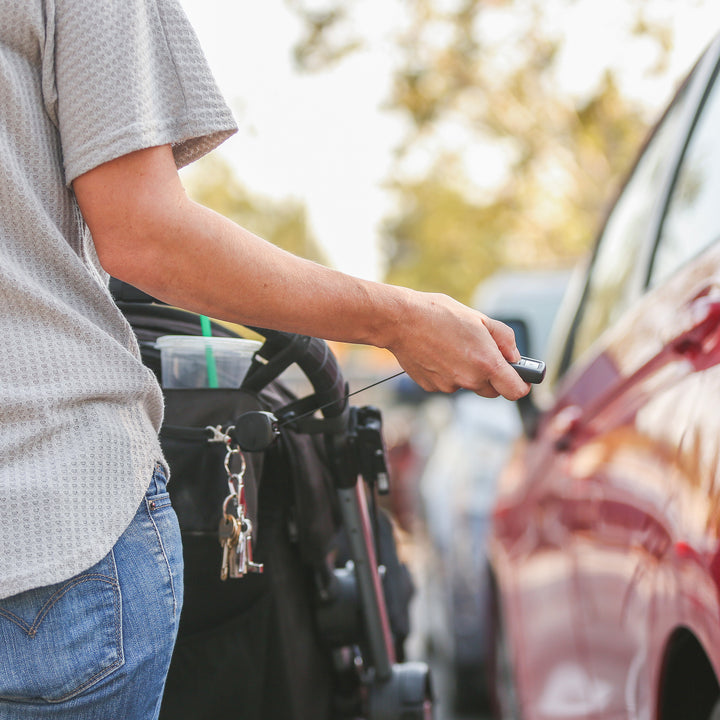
<point>241,561</point>
<point>228,535</point>
<point>235,532</point>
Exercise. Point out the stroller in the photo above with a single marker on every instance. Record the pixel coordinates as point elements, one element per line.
<point>309,617</point>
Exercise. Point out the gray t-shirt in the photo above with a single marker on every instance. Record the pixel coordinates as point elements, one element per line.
<point>81,82</point>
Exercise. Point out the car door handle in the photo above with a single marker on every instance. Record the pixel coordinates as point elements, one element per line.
<point>564,426</point>
<point>705,322</point>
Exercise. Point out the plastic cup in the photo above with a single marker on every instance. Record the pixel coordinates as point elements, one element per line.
<point>187,360</point>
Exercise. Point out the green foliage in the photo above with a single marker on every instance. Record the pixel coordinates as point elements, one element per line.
<point>326,40</point>
<point>211,182</point>
<point>441,241</point>
<point>564,160</point>
<point>564,155</point>
<point>459,76</point>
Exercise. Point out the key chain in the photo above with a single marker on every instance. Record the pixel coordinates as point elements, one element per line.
<point>235,529</point>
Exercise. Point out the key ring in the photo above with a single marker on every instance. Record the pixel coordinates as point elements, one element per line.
<point>235,480</point>
<point>233,451</point>
<point>226,502</point>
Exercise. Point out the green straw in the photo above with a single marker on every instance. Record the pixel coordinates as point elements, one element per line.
<point>209,357</point>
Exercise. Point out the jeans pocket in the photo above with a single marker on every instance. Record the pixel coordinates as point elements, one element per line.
<point>59,640</point>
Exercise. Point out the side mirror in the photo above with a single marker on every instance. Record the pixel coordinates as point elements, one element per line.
<point>529,411</point>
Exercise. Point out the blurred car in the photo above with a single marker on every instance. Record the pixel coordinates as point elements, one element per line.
<point>457,491</point>
<point>605,548</point>
<point>458,496</point>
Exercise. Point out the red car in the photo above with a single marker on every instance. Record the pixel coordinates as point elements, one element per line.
<point>605,550</point>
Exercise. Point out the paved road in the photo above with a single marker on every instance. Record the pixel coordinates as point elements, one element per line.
<point>443,711</point>
<point>440,673</point>
<point>424,608</point>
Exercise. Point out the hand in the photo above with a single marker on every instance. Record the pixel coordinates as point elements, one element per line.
<point>444,346</point>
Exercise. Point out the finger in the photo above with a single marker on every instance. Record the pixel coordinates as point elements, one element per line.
<point>504,338</point>
<point>512,388</point>
<point>486,390</point>
<point>506,381</point>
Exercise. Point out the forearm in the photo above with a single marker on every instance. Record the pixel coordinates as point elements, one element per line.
<point>148,233</point>
<point>201,261</point>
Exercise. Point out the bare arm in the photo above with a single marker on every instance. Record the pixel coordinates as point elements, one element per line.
<point>148,233</point>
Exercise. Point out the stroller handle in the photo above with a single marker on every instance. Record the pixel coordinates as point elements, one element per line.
<point>312,355</point>
<point>280,350</point>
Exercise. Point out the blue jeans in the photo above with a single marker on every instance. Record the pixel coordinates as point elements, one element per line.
<point>98,646</point>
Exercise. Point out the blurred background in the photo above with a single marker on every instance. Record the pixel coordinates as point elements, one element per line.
<point>463,146</point>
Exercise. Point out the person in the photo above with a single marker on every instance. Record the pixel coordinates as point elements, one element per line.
<point>102,102</point>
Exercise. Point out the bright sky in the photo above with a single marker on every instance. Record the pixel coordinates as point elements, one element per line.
<point>326,140</point>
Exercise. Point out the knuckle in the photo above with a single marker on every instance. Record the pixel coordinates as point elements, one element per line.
<point>496,365</point>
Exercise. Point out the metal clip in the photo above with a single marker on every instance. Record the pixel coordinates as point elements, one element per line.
<point>217,434</point>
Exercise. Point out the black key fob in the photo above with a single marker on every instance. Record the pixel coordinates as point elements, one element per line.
<point>530,370</point>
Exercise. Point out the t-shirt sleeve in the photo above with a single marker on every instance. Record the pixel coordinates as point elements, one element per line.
<point>127,75</point>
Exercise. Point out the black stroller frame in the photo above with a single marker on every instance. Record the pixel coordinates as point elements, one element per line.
<point>394,691</point>
<point>350,608</point>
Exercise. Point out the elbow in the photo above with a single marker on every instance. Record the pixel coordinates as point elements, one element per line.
<point>132,260</point>
<point>138,247</point>
<point>110,259</point>
<point>134,207</point>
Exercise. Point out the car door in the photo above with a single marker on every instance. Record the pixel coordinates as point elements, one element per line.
<point>533,560</point>
<point>632,394</point>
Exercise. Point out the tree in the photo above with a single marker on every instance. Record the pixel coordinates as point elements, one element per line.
<point>483,73</point>
<point>439,239</point>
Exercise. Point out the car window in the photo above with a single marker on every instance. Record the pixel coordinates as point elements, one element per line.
<point>692,219</point>
<point>609,288</point>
